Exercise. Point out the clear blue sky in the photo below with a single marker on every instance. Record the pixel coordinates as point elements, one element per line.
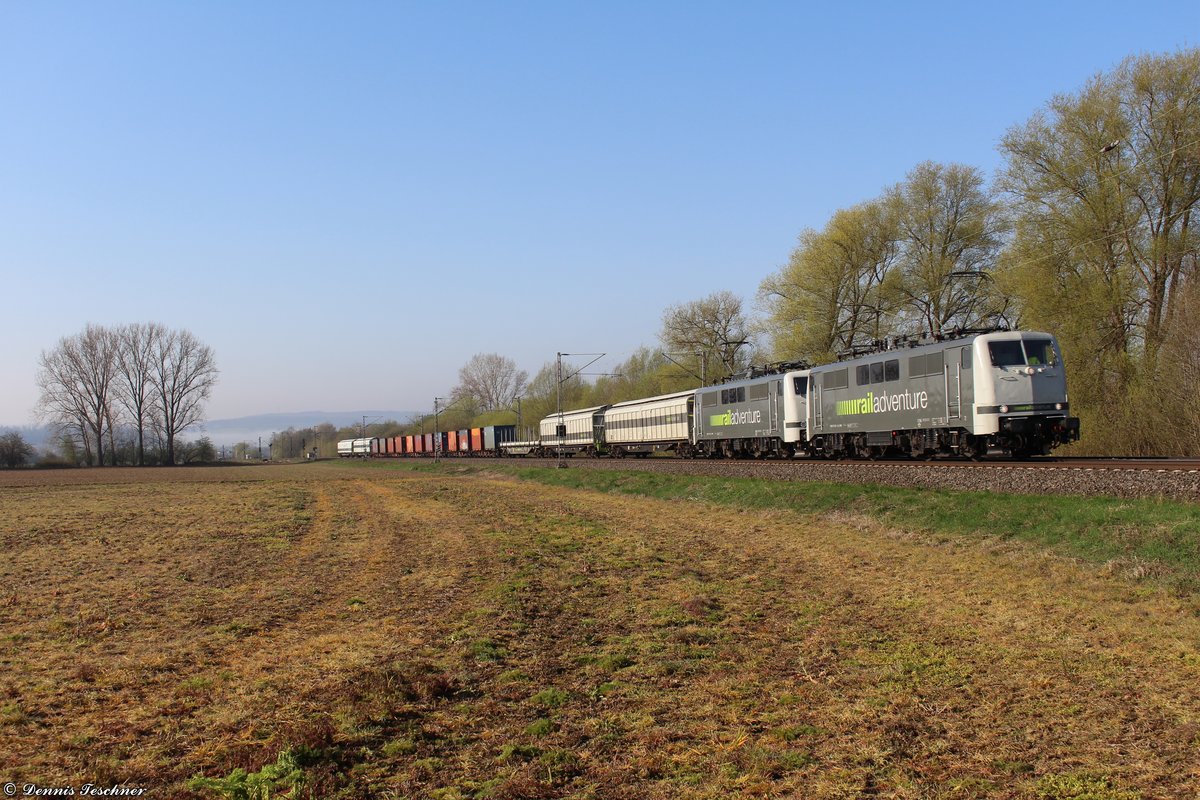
<point>349,200</point>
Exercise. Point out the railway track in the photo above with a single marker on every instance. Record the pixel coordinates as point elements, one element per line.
<point>1171,464</point>
<point>1134,464</point>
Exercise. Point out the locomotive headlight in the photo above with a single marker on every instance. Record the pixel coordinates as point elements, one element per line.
<point>1003,409</point>
<point>1029,370</point>
<point>1058,406</point>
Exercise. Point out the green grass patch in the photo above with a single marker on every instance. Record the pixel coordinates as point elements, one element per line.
<point>613,662</point>
<point>287,774</point>
<point>550,698</point>
<point>487,650</point>
<point>540,727</point>
<point>518,752</point>
<point>1081,787</point>
<point>790,733</point>
<point>399,747</point>
<point>196,684</point>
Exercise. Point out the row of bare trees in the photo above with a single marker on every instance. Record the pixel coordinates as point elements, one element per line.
<point>147,376</point>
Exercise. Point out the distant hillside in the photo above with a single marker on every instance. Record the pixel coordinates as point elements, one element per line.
<point>229,432</point>
<point>35,435</point>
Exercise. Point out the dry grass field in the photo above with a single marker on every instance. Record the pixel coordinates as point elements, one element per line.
<point>338,632</point>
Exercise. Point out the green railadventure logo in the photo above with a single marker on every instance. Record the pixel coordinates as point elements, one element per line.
<point>883,403</point>
<point>735,418</point>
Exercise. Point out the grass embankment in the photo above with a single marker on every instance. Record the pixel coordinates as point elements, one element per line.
<point>383,633</point>
<point>1156,539</point>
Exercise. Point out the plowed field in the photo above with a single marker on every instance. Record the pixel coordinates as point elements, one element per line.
<point>375,633</point>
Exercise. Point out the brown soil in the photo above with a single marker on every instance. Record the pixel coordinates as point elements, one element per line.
<point>415,635</point>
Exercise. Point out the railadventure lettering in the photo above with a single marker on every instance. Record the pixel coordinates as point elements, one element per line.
<point>735,418</point>
<point>883,403</point>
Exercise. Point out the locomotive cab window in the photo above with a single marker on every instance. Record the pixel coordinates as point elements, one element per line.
<point>1006,354</point>
<point>800,385</point>
<point>1039,352</point>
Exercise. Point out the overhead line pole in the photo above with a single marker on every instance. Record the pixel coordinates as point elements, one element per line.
<point>561,430</point>
<point>437,433</point>
<point>700,356</point>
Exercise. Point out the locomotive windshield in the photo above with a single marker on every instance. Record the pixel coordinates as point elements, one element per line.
<point>1035,352</point>
<point>1039,352</point>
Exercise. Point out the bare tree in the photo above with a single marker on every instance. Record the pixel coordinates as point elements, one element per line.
<point>715,328</point>
<point>182,374</point>
<point>76,380</point>
<point>829,297</point>
<point>950,225</point>
<point>492,380</point>
<point>14,450</point>
<point>137,345</point>
<point>62,402</point>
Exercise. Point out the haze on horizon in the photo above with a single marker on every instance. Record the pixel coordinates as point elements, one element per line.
<point>348,203</point>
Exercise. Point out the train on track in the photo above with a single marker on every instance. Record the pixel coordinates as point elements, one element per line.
<point>969,394</point>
